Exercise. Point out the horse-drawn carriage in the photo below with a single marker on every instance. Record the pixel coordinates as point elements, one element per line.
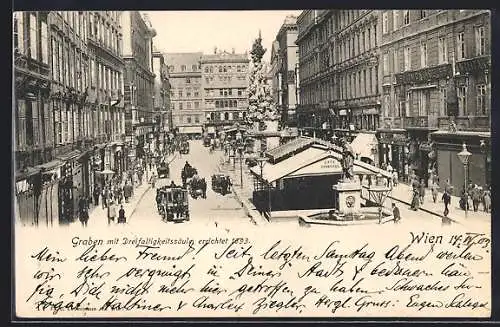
<point>184,149</point>
<point>173,203</point>
<point>198,187</point>
<point>187,173</point>
<point>221,183</point>
<point>163,170</point>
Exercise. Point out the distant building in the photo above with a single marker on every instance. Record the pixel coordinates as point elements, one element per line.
<point>225,82</point>
<point>186,101</point>
<point>284,63</point>
<point>161,101</point>
<point>138,37</point>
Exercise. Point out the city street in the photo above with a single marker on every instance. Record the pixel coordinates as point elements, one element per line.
<point>223,210</point>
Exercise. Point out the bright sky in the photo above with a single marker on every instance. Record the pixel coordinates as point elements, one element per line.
<point>192,31</point>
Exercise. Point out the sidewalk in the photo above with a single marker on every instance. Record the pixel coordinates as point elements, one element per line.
<point>403,193</point>
<point>242,194</point>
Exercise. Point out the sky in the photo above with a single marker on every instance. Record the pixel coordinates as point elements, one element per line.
<point>193,31</point>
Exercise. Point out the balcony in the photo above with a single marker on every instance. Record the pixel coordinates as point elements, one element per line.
<point>424,75</point>
<point>474,65</point>
<point>466,123</point>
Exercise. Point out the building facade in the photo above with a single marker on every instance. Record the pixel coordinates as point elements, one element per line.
<point>224,83</point>
<point>67,109</point>
<point>161,98</point>
<point>339,74</point>
<point>436,70</point>
<point>137,54</point>
<point>186,101</point>
<point>105,95</point>
<point>284,63</point>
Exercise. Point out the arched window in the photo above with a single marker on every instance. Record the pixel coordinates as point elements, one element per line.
<point>217,104</point>
<point>226,116</point>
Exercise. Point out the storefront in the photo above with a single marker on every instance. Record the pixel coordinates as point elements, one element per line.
<point>419,161</point>
<point>70,186</point>
<point>393,150</point>
<point>448,145</point>
<point>25,206</point>
<point>48,202</point>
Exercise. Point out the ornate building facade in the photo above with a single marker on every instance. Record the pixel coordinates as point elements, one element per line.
<point>225,83</point>
<point>161,103</point>
<point>186,101</point>
<point>137,54</point>
<point>436,70</point>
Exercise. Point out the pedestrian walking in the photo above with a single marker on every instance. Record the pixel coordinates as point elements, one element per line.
<point>476,197</point>
<point>447,200</point>
<point>395,213</point>
<point>395,178</point>
<point>445,220</point>
<point>153,180</point>
<point>407,172</point>
<point>127,191</point>
<point>415,201</point>
<point>448,188</point>
<point>111,212</point>
<point>487,200</point>
<point>104,196</point>
<point>422,191</point>
<point>434,191</point>
<point>121,215</point>
<point>96,194</point>
<point>83,211</point>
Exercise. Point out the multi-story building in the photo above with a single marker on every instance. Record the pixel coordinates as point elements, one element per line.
<point>225,81</point>
<point>161,101</point>
<point>436,69</point>
<point>32,113</point>
<point>312,35</point>
<point>338,63</point>
<point>105,93</point>
<point>137,53</point>
<point>284,63</point>
<point>186,103</point>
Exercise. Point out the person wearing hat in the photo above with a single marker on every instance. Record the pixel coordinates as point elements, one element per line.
<point>111,212</point>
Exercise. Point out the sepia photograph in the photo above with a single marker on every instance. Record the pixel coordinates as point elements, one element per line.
<point>300,163</point>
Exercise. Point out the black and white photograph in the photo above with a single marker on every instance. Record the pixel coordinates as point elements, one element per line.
<point>264,163</point>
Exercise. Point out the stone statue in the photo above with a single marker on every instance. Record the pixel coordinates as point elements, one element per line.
<point>258,50</point>
<point>347,161</point>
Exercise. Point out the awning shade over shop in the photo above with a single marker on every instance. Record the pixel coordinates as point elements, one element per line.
<point>310,162</point>
<point>190,130</point>
<point>363,145</point>
<point>70,155</point>
<point>51,165</point>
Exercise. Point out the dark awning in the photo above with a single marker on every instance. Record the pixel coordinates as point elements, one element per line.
<point>69,156</point>
<point>25,173</point>
<point>51,165</point>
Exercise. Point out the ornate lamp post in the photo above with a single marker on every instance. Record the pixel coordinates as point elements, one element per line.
<point>240,151</point>
<point>261,160</point>
<point>464,157</point>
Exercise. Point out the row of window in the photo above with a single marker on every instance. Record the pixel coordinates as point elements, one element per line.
<point>418,102</point>
<point>224,92</point>
<point>225,68</point>
<point>224,79</point>
<point>187,119</point>
<point>185,105</point>
<point>360,83</point>
<point>442,58</point>
<point>69,65</point>
<point>33,123</point>
<point>226,103</point>
<point>187,92</point>
<point>31,35</point>
<point>183,68</point>
<point>105,32</point>
<point>228,115</point>
<point>355,44</point>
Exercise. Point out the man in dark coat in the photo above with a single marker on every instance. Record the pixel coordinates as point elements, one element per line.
<point>446,199</point>
<point>121,215</point>
<point>396,214</point>
<point>96,194</point>
<point>83,211</point>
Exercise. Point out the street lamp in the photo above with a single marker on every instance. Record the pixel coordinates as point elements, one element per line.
<point>261,160</point>
<point>314,125</point>
<point>240,150</point>
<point>464,157</point>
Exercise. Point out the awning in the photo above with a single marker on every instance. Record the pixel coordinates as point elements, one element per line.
<point>50,166</point>
<point>190,130</point>
<point>311,162</point>
<point>23,174</point>
<point>69,156</point>
<point>424,87</point>
<point>363,144</point>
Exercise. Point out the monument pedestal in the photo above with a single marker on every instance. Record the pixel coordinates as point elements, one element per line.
<point>348,199</point>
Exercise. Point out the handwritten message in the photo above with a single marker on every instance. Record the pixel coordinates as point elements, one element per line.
<point>262,274</point>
